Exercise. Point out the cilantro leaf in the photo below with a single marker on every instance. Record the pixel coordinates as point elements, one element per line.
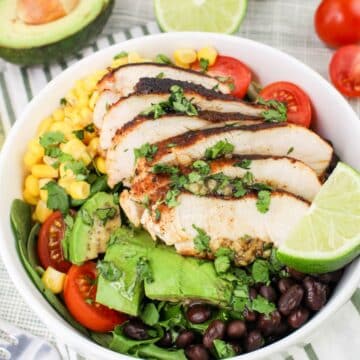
<point>248,179</point>
<point>194,177</point>
<point>291,149</point>
<point>180,103</point>
<point>108,270</point>
<point>144,271</point>
<point>244,164</point>
<point>201,166</point>
<point>163,59</point>
<point>90,128</point>
<point>260,186</point>
<point>263,201</point>
<point>79,134</point>
<point>223,350</point>
<point>277,111</point>
<point>121,55</point>
<point>222,264</point>
<point>201,240</point>
<point>57,197</point>
<point>160,75</point>
<point>240,191</point>
<point>63,101</point>
<point>204,64</point>
<point>78,168</point>
<point>156,110</point>
<point>105,214</point>
<point>260,271</point>
<point>51,138</point>
<point>146,150</point>
<point>157,214</point>
<point>170,198</point>
<point>221,148</point>
<point>165,169</point>
<point>262,305</point>
<point>178,182</point>
<point>223,251</point>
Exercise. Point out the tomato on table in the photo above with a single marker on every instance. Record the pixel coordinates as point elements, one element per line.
<point>234,72</point>
<point>49,246</point>
<point>344,70</point>
<point>297,102</point>
<point>79,296</point>
<point>337,22</point>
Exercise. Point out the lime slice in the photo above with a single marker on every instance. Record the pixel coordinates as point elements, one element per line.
<point>200,15</point>
<point>328,236</point>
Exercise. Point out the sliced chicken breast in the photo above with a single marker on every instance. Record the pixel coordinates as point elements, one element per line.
<point>103,103</point>
<point>225,221</point>
<point>126,109</point>
<point>266,139</point>
<point>120,158</point>
<point>124,78</point>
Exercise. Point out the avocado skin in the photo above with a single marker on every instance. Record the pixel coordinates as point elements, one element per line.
<point>175,278</point>
<point>60,49</point>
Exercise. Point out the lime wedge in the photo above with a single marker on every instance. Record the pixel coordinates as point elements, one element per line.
<point>200,15</point>
<point>328,236</point>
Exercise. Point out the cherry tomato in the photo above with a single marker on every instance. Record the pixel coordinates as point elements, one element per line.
<point>79,296</point>
<point>238,74</point>
<point>298,103</point>
<point>49,247</point>
<point>345,70</point>
<point>337,22</point>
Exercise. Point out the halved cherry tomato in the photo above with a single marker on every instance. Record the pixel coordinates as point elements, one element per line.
<point>233,72</point>
<point>337,22</point>
<point>345,70</point>
<point>79,296</point>
<point>298,103</point>
<point>49,245</point>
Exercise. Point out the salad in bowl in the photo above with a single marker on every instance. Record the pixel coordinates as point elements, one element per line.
<point>175,208</point>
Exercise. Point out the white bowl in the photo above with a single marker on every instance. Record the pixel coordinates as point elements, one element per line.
<point>335,120</point>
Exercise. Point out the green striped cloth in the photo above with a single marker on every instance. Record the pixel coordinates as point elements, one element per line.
<point>339,339</point>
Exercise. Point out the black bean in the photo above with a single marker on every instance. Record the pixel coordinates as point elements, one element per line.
<point>216,330</point>
<point>285,284</point>
<point>237,347</point>
<point>315,293</point>
<point>185,339</point>
<point>254,340</point>
<point>268,292</point>
<point>249,315</point>
<point>282,329</point>
<point>198,314</point>
<point>165,341</point>
<point>268,324</point>
<point>135,329</point>
<point>295,274</point>
<point>291,299</point>
<point>236,329</point>
<point>332,277</point>
<point>197,352</point>
<point>298,317</point>
<point>253,293</point>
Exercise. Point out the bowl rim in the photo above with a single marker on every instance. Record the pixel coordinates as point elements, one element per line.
<point>58,326</point>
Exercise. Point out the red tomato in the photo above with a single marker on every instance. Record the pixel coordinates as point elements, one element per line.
<point>79,296</point>
<point>49,245</point>
<point>298,103</point>
<point>345,70</point>
<point>238,73</point>
<point>337,22</point>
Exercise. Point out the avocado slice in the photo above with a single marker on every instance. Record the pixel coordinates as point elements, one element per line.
<point>93,225</point>
<point>174,277</point>
<point>26,44</point>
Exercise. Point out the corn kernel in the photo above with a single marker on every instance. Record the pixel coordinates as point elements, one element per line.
<point>71,96</point>
<point>79,87</point>
<point>44,195</point>
<point>58,114</point>
<point>93,99</point>
<point>54,280</point>
<point>66,173</point>
<point>44,171</point>
<point>208,53</point>
<point>100,164</point>
<point>42,212</point>
<point>65,183</point>
<point>44,125</point>
<point>185,56</point>
<point>86,115</point>
<point>86,158</point>
<point>79,190</point>
<point>35,147</point>
<point>32,185</point>
<point>134,57</point>
<point>29,198</point>
<point>74,147</point>
<point>94,146</point>
<point>82,100</point>
<point>30,160</point>
<point>88,137</point>
<point>64,128</point>
<point>182,65</point>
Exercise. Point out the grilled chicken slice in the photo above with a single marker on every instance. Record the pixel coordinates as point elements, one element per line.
<point>267,139</point>
<point>226,221</point>
<point>120,158</point>
<point>124,78</point>
<point>105,100</point>
<point>126,109</point>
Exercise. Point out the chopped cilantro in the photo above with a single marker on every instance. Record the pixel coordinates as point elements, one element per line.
<point>244,164</point>
<point>163,59</point>
<point>63,101</point>
<point>201,166</point>
<point>89,128</point>
<point>223,251</point>
<point>78,168</point>
<point>143,270</point>
<point>121,55</point>
<point>79,134</point>
<point>57,197</point>
<point>231,86</point>
<point>263,201</point>
<point>260,186</point>
<point>201,240</point>
<point>156,110</point>
<point>165,169</point>
<point>147,151</point>
<point>157,214</point>
<point>170,198</point>
<point>260,271</point>
<point>204,64</point>
<point>240,191</point>
<point>262,305</point>
<point>105,214</point>
<point>290,150</point>
<point>180,103</point>
<point>222,264</point>
<point>223,350</point>
<point>108,270</point>
<point>277,111</point>
<point>248,179</point>
<point>221,148</point>
<point>160,75</point>
<point>178,182</point>
<point>194,177</point>
<point>51,138</point>
<point>215,87</point>
<point>224,79</point>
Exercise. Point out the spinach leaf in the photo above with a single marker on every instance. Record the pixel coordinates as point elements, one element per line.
<point>103,339</point>
<point>31,246</point>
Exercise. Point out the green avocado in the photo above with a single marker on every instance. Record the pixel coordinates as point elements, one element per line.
<point>26,44</point>
<point>93,225</point>
<point>172,276</point>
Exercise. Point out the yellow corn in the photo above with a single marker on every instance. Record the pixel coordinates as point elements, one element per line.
<point>44,195</point>
<point>66,173</point>
<point>79,190</point>
<point>71,96</point>
<point>185,57</point>
<point>58,114</point>
<point>93,99</point>
<point>86,115</point>
<point>41,211</point>
<point>119,62</point>
<point>79,87</point>
<point>30,159</point>
<point>94,146</point>
<point>44,125</point>
<point>208,53</point>
<point>88,137</point>
<point>100,164</point>
<point>44,171</point>
<point>134,57</point>
<point>29,198</point>
<point>32,185</point>
<point>83,100</point>
<point>73,147</point>
<point>35,148</point>
<point>65,183</point>
<point>54,280</point>
<point>64,128</point>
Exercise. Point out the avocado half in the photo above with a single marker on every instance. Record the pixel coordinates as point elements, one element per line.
<point>25,44</point>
